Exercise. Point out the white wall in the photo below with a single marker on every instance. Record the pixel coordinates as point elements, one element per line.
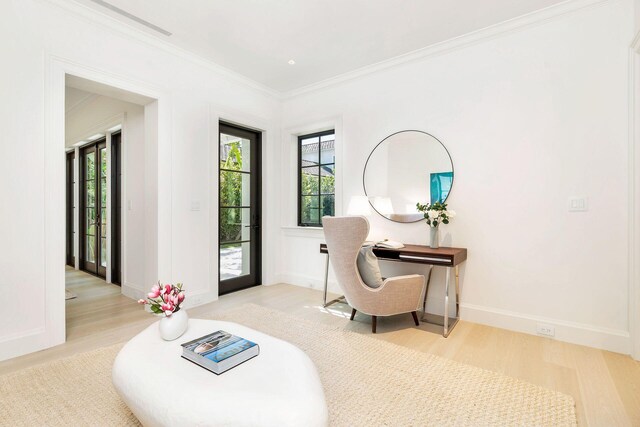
<point>530,117</point>
<point>37,37</point>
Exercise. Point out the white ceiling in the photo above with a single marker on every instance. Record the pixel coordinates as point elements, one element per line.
<point>74,97</point>
<point>326,38</point>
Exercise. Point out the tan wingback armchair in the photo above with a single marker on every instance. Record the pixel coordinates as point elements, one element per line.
<point>397,295</point>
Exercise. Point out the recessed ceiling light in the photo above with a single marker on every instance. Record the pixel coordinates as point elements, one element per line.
<point>292,62</point>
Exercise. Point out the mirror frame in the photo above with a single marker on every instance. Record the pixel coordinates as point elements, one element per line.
<point>364,171</point>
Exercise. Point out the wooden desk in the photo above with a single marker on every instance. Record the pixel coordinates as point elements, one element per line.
<point>450,258</point>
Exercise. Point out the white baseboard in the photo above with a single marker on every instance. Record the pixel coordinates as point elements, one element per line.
<point>132,291</point>
<point>572,332</point>
<point>576,333</point>
<point>192,300</point>
<point>25,342</point>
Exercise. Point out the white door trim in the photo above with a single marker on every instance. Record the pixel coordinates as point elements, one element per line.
<point>52,331</point>
<point>634,197</point>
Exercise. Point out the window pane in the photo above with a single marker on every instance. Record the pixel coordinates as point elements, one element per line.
<point>234,224</point>
<point>90,221</point>
<point>103,191</point>
<point>309,181</point>
<point>103,162</point>
<point>91,166</point>
<point>103,253</point>
<point>234,260</point>
<point>327,179</point>
<point>327,149</point>
<point>317,177</point>
<point>235,189</point>
<point>309,154</point>
<point>235,153</point>
<point>103,222</point>
<point>309,210</point>
<point>91,247</point>
<point>328,205</point>
<point>90,193</point>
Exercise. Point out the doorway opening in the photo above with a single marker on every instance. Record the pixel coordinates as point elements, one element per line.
<point>239,233</point>
<point>111,236</point>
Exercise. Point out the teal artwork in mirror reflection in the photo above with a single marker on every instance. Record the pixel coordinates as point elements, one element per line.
<point>440,186</point>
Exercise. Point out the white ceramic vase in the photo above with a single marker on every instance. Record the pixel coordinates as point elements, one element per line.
<point>174,326</point>
<point>434,238</point>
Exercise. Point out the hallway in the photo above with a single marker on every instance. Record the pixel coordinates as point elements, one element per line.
<point>98,306</point>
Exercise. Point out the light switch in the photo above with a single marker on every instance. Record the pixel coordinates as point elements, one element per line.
<point>578,204</point>
<point>195,205</point>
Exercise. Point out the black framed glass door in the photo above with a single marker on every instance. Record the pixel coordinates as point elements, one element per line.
<point>70,210</point>
<point>93,208</point>
<point>239,208</point>
<point>116,207</point>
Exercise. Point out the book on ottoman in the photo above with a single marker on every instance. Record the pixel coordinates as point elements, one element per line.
<point>220,351</point>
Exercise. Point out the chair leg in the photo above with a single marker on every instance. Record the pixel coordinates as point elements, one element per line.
<point>353,313</point>
<point>374,320</point>
<point>415,318</point>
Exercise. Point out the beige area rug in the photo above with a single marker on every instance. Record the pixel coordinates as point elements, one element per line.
<point>367,382</point>
<point>69,295</point>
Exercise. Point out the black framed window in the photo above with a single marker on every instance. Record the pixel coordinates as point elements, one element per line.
<point>316,177</point>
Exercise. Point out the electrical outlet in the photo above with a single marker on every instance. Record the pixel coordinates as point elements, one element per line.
<point>578,204</point>
<point>544,329</point>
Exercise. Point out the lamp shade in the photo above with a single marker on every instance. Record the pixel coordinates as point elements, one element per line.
<point>359,205</point>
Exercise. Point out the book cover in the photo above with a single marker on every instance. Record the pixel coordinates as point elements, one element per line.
<point>219,351</point>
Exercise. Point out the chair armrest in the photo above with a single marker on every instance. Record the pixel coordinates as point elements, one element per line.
<point>407,282</point>
<point>400,294</point>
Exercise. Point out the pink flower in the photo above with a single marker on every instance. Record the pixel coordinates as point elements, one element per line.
<point>168,313</point>
<point>181,296</point>
<point>167,289</point>
<point>142,301</point>
<point>174,299</point>
<point>155,292</point>
<point>167,307</point>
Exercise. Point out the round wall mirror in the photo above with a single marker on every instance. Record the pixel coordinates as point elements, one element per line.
<point>407,167</point>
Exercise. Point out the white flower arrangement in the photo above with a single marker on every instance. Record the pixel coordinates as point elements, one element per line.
<point>436,213</point>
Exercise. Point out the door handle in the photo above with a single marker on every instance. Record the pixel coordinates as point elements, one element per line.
<point>255,227</point>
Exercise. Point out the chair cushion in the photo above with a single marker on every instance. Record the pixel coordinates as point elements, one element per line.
<point>369,268</point>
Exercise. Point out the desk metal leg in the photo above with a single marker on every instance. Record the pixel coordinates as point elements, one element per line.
<point>326,283</point>
<point>457,293</point>
<point>448,330</point>
<point>426,292</point>
<point>446,304</point>
<point>326,280</point>
<point>447,323</point>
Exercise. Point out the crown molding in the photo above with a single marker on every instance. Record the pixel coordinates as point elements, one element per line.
<point>107,21</point>
<point>512,25</point>
<point>538,17</point>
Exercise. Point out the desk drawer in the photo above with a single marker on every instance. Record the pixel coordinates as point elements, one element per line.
<point>426,259</point>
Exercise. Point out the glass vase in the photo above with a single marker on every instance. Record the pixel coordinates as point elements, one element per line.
<point>434,241</point>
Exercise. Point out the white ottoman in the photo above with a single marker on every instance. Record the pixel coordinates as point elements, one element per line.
<point>279,387</point>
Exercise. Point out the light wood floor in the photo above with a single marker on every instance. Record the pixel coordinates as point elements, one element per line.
<point>605,385</point>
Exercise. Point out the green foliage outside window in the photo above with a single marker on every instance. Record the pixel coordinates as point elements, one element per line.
<point>231,194</point>
<point>312,206</point>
